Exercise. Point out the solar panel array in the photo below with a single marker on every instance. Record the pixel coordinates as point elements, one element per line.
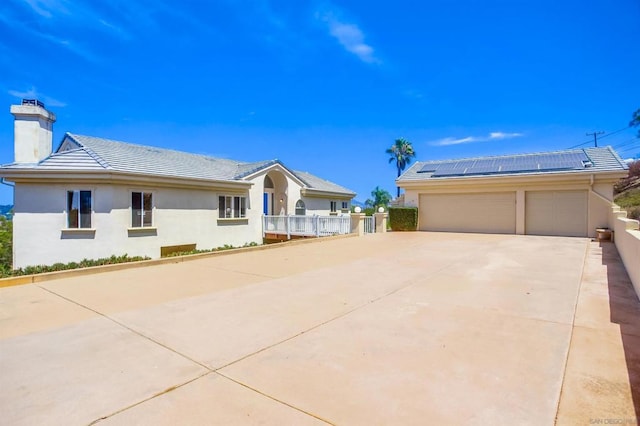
<point>509,164</point>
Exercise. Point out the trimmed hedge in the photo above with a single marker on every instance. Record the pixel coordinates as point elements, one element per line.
<point>403,218</point>
<point>85,263</point>
<point>200,251</point>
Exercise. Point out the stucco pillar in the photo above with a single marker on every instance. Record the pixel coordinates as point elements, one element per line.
<point>520,212</point>
<point>381,221</point>
<point>357,223</point>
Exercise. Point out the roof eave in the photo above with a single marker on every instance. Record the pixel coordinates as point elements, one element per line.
<point>310,192</point>
<point>111,176</point>
<point>278,167</point>
<point>612,175</point>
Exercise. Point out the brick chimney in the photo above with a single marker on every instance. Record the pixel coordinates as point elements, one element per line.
<point>33,131</point>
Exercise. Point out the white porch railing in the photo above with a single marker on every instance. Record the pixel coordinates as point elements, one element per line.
<point>308,226</point>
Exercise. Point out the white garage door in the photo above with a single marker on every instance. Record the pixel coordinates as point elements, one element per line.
<point>493,213</point>
<point>562,213</point>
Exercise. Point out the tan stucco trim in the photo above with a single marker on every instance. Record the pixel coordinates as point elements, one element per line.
<point>514,180</point>
<point>112,177</point>
<point>309,192</point>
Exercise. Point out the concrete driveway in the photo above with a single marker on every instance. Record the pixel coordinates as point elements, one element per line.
<point>398,328</point>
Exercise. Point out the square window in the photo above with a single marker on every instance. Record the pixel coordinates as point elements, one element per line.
<point>230,207</point>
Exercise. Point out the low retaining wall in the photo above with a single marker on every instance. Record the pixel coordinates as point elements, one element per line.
<point>48,276</point>
<point>627,239</point>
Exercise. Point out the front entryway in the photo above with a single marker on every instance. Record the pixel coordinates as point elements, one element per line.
<point>274,199</point>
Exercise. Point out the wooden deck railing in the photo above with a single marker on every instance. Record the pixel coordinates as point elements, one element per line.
<point>306,226</point>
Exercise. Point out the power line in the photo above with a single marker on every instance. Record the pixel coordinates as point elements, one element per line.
<point>630,148</point>
<point>627,142</point>
<point>613,133</point>
<point>583,143</point>
<point>602,137</point>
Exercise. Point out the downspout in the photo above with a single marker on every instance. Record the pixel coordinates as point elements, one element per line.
<point>608,202</point>
<point>4,182</point>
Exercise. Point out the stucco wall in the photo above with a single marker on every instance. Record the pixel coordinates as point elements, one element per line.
<point>627,240</point>
<point>180,216</point>
<point>322,206</point>
<point>599,208</point>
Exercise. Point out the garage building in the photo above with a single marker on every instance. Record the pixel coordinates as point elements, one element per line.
<point>563,193</point>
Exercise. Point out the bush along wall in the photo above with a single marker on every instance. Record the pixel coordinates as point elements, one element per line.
<point>403,218</point>
<point>85,263</point>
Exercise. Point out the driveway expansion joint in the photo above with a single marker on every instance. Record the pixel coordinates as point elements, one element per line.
<point>273,398</point>
<point>585,259</point>
<point>164,392</point>
<point>103,315</point>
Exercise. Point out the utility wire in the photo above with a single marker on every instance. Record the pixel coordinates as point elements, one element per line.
<point>630,148</point>
<point>625,143</point>
<point>602,137</point>
<point>583,143</point>
<point>613,133</point>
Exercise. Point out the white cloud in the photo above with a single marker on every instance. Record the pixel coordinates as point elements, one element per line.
<point>115,29</point>
<point>350,36</point>
<point>471,139</point>
<point>45,8</point>
<point>501,135</point>
<point>33,93</point>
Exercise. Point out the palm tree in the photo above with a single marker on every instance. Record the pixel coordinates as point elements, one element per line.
<point>402,153</point>
<point>381,198</point>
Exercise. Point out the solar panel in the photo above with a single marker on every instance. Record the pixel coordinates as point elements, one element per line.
<point>509,164</point>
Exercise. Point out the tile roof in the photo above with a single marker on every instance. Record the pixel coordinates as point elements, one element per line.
<point>131,158</point>
<point>603,159</point>
<point>88,153</point>
<point>320,184</point>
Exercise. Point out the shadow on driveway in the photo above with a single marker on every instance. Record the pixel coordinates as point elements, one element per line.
<point>625,311</point>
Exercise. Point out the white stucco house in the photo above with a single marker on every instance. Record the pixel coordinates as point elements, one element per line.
<point>561,193</point>
<point>94,197</point>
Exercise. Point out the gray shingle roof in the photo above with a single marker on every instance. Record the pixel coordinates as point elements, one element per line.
<point>603,159</point>
<point>131,158</point>
<point>320,184</point>
<point>88,153</point>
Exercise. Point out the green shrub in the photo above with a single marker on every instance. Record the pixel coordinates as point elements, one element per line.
<point>631,198</point>
<point>85,263</point>
<point>403,218</point>
<point>6,244</point>
<point>199,251</point>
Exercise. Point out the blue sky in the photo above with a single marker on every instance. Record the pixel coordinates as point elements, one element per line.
<point>326,87</point>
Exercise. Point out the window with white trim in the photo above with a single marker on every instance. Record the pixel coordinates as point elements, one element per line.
<point>141,209</point>
<point>333,206</point>
<point>301,209</point>
<point>79,206</point>
<point>345,205</point>
<point>230,207</point>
